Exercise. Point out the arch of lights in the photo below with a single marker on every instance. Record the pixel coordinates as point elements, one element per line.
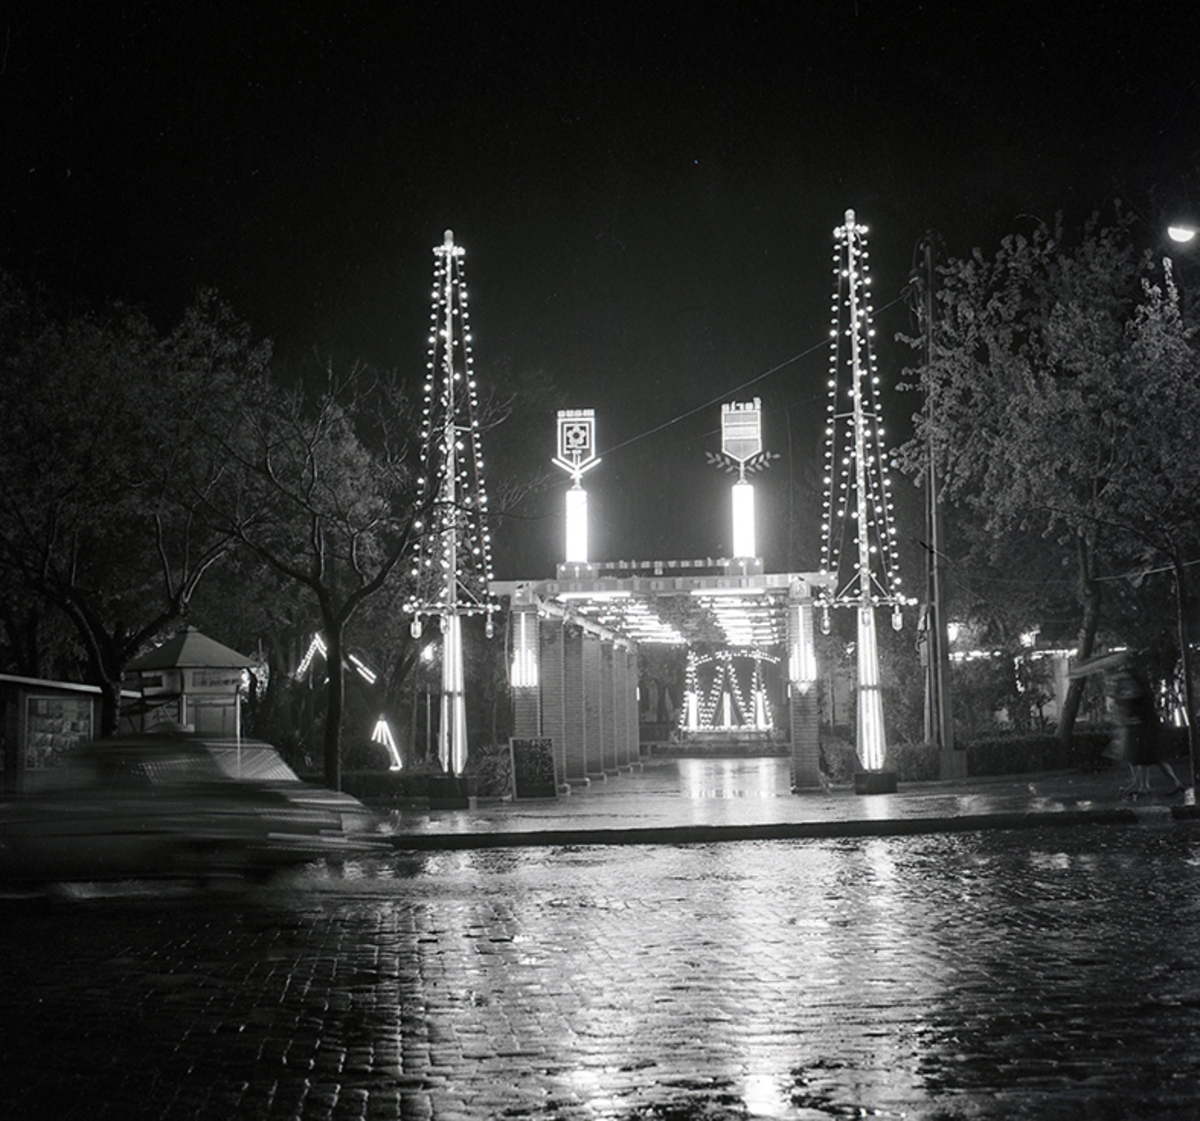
<point>717,696</point>
<point>858,551</point>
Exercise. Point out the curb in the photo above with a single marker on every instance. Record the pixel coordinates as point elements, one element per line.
<point>714,834</point>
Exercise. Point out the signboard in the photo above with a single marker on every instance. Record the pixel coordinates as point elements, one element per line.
<point>217,680</point>
<point>576,441</point>
<point>54,725</point>
<point>533,768</point>
<point>741,429</point>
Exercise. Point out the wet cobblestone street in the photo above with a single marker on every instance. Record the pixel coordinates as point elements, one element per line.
<point>1037,973</point>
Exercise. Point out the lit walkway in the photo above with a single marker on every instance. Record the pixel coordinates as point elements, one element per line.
<point>691,800</point>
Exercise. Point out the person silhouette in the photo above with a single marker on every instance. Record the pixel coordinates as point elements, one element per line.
<point>1138,717</point>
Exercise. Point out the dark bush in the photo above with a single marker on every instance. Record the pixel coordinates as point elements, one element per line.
<point>1015,755</point>
<point>383,787</point>
<point>491,766</point>
<point>996,755</point>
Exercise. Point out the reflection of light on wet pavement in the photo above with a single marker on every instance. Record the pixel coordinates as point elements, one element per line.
<point>878,807</point>
<point>734,778</point>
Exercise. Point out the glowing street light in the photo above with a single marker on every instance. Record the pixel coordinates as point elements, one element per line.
<point>1182,234</point>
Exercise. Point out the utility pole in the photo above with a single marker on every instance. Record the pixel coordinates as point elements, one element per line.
<point>939,719</point>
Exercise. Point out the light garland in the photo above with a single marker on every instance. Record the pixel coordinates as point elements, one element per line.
<point>855,454</point>
<point>857,484</point>
<point>452,564</point>
<point>725,705</point>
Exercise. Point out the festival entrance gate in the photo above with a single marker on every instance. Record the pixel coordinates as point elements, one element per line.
<point>575,639</point>
<point>575,643</point>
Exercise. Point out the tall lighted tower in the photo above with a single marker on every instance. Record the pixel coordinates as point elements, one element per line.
<point>859,548</point>
<point>576,455</point>
<point>452,569</point>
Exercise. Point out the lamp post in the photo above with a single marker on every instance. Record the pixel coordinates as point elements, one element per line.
<point>1183,233</point>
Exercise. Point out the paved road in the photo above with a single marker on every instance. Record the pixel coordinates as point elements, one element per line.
<point>1048,973</point>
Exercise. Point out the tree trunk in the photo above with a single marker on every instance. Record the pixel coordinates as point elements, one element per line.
<point>110,706</point>
<point>1089,598</point>
<point>335,697</point>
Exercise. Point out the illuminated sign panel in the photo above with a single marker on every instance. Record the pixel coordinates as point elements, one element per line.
<point>576,440</point>
<point>741,429</point>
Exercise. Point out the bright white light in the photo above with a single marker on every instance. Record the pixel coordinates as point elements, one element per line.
<point>577,526</point>
<point>802,662</point>
<point>743,520</point>
<point>452,735</point>
<point>364,670</point>
<point>383,734</point>
<point>525,652</point>
<point>872,744</point>
<point>1181,234</point>
<point>732,591</point>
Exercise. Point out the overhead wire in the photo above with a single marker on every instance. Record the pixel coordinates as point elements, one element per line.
<point>727,394</point>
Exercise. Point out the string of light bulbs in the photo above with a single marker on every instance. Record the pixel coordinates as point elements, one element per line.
<point>452,564</point>
<point>858,501</point>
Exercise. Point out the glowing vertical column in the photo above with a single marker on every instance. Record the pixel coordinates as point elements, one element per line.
<point>577,525</point>
<point>802,655</point>
<point>576,455</point>
<point>742,452</point>
<point>872,744</point>
<point>452,735</point>
<point>744,544</point>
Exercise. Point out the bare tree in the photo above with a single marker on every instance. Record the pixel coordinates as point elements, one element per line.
<point>322,492</point>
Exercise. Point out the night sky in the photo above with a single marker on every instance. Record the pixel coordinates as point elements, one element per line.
<point>646,192</point>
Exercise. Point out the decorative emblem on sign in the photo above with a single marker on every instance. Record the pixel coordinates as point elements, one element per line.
<point>741,439</point>
<point>576,441</point>
<point>741,429</point>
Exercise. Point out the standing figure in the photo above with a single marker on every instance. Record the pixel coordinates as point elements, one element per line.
<point>1142,732</point>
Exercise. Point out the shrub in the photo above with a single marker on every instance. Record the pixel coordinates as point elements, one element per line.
<point>390,787</point>
<point>1014,755</point>
<point>491,766</point>
<point>996,755</point>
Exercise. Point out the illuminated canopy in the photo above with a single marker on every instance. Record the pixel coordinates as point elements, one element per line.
<point>674,607</point>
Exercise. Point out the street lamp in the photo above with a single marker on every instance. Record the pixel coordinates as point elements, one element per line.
<point>1182,233</point>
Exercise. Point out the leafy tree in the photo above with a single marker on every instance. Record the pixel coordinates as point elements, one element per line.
<point>1026,374</point>
<point>1156,506</point>
<point>100,472</point>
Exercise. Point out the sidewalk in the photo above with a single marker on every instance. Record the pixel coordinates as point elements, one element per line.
<point>682,801</point>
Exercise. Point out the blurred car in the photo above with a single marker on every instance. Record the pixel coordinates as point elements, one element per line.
<point>175,804</point>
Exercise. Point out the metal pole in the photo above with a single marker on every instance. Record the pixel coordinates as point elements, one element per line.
<point>938,674</point>
<point>452,747</point>
<point>872,741</point>
<point>1186,659</point>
